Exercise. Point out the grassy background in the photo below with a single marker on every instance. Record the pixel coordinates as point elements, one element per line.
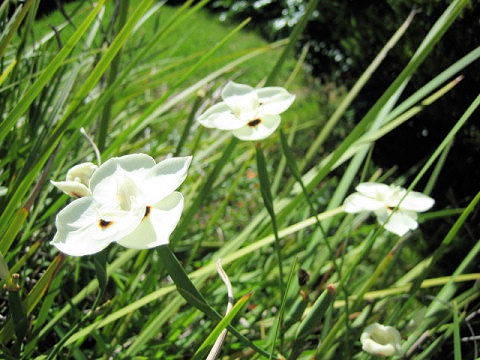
<point>141,315</point>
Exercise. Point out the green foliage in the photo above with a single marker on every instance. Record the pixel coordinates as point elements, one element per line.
<point>135,74</point>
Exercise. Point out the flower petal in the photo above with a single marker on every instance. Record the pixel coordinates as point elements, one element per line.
<point>164,178</point>
<point>72,188</point>
<point>274,100</point>
<point>357,202</point>
<point>157,225</point>
<point>241,99</point>
<point>374,190</point>
<point>81,231</point>
<point>416,201</point>
<point>3,190</point>
<point>220,116</point>
<point>106,178</point>
<point>81,173</point>
<point>381,340</point>
<point>265,128</point>
<point>399,223</point>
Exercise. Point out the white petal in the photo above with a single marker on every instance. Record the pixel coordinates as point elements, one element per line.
<point>156,227</point>
<point>267,126</point>
<point>164,178</point>
<point>81,173</point>
<point>106,179</point>
<point>3,190</point>
<point>80,230</point>
<point>374,190</point>
<point>381,340</point>
<point>72,188</point>
<point>220,116</point>
<point>357,202</point>
<point>236,89</point>
<point>378,349</point>
<point>416,201</point>
<point>400,222</point>
<point>274,100</point>
<point>241,99</point>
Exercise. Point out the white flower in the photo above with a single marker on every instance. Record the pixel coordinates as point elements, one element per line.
<point>3,190</point>
<point>381,340</point>
<point>251,114</point>
<point>133,203</point>
<point>77,181</point>
<point>383,199</point>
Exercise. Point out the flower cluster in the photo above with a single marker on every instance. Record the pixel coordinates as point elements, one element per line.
<point>395,209</point>
<point>130,200</point>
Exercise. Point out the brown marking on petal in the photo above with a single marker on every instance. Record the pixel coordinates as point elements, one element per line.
<point>77,195</point>
<point>254,123</point>
<point>104,223</point>
<point>390,208</point>
<point>147,211</point>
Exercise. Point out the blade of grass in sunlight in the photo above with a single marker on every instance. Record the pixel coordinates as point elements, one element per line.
<point>279,319</point>
<point>7,71</point>
<point>210,340</point>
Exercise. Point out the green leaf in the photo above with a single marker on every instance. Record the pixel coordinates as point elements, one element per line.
<point>457,347</point>
<point>18,315</point>
<point>212,337</point>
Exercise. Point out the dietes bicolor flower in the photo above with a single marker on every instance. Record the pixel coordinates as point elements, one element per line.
<point>251,114</point>
<point>396,215</point>
<point>133,202</point>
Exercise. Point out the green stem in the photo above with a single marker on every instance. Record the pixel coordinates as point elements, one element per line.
<point>189,124</point>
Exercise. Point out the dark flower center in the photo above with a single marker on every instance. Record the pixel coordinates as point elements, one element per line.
<point>147,212</point>
<point>104,223</point>
<point>254,123</point>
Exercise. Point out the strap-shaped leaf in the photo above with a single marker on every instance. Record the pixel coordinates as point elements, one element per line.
<point>210,340</point>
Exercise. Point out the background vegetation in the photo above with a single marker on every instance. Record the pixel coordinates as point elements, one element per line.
<point>134,74</point>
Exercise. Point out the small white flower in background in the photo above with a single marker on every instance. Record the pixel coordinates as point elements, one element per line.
<point>77,181</point>
<point>383,200</point>
<point>3,190</point>
<point>133,202</point>
<point>381,340</point>
<point>251,114</point>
